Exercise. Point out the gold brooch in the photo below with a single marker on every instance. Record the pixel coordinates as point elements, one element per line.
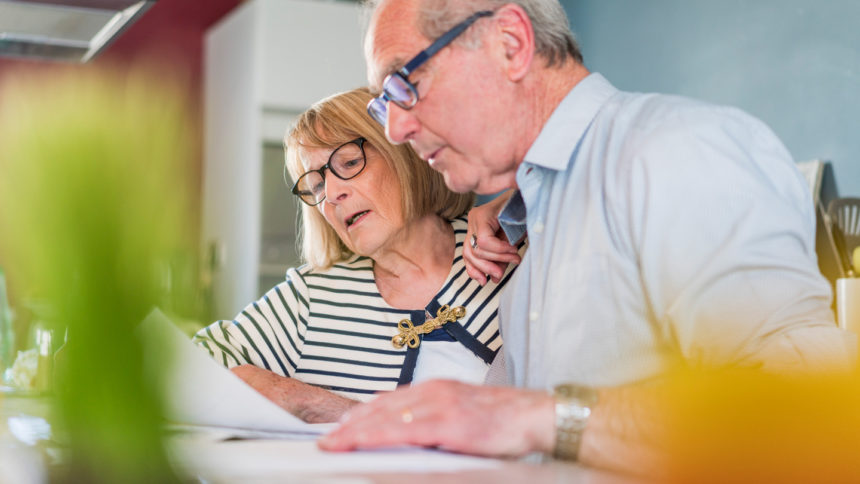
<point>408,333</point>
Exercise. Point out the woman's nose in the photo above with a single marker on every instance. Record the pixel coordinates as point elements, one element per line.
<point>336,190</point>
<point>401,125</point>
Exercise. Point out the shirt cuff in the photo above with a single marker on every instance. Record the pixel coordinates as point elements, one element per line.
<point>512,218</point>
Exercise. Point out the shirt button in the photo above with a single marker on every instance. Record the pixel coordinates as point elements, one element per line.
<point>534,315</point>
<point>538,227</point>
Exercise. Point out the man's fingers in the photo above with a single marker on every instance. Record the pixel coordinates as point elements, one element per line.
<point>454,416</point>
<point>397,418</point>
<point>385,428</point>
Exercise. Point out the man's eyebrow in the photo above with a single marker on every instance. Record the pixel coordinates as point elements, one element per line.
<point>393,66</point>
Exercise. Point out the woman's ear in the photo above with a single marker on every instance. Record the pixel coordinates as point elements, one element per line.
<point>517,39</point>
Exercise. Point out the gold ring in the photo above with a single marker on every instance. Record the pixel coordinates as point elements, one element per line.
<point>474,241</point>
<point>406,416</point>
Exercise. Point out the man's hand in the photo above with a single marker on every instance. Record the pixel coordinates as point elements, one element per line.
<point>308,402</point>
<point>493,252</point>
<point>479,420</point>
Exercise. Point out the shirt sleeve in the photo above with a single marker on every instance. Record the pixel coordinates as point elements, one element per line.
<point>726,234</point>
<point>268,333</point>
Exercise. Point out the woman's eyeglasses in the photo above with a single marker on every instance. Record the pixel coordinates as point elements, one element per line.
<point>345,162</point>
<point>398,89</point>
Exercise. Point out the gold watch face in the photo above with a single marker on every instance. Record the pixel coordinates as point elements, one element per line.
<point>586,395</point>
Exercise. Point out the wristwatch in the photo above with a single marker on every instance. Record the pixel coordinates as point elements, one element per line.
<point>573,405</point>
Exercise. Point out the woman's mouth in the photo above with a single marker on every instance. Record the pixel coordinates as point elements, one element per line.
<point>355,218</point>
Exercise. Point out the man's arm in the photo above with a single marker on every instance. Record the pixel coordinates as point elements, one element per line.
<point>723,229</point>
<point>623,432</point>
<point>308,402</point>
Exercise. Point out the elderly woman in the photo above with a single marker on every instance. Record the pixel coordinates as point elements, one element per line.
<point>384,299</point>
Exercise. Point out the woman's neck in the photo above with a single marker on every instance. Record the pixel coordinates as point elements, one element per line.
<point>411,269</point>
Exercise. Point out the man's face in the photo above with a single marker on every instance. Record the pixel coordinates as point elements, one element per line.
<point>457,124</point>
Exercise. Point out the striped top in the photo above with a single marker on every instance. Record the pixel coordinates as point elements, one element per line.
<point>332,328</point>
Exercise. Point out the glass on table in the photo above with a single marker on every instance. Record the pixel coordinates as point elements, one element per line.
<point>33,367</point>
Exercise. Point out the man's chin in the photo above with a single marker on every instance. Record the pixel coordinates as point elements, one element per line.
<point>456,184</point>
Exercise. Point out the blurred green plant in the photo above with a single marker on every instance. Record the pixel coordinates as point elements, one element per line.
<point>94,172</point>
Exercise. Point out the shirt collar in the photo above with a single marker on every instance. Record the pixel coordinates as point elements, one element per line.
<point>568,122</point>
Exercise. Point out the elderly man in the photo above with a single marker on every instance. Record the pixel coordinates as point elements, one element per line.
<point>662,230</point>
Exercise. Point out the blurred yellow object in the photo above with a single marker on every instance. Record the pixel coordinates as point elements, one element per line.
<point>93,183</point>
<point>855,258</point>
<point>751,427</point>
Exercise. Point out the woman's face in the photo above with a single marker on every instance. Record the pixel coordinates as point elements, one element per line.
<point>365,211</point>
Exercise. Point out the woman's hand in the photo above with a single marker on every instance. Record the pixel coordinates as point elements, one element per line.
<point>487,252</point>
<point>308,402</point>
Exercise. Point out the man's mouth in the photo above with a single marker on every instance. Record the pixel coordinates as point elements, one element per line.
<point>431,158</point>
<point>355,217</point>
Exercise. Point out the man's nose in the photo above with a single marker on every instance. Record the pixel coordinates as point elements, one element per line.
<point>402,124</point>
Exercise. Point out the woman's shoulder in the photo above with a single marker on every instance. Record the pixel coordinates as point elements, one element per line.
<point>460,226</point>
<point>356,268</point>
<point>459,223</point>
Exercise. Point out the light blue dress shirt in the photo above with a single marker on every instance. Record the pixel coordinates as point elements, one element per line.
<point>661,229</point>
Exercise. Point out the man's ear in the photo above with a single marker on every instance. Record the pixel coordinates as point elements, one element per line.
<point>518,42</point>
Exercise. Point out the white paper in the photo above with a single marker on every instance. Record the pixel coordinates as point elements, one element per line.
<point>241,461</point>
<point>201,392</point>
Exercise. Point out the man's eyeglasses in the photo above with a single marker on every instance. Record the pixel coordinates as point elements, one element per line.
<point>398,89</point>
<point>345,162</point>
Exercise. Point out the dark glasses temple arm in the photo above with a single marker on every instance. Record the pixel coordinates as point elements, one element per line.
<point>442,41</point>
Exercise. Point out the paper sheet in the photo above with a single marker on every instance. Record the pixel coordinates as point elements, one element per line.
<point>240,461</point>
<point>210,405</point>
<point>201,392</point>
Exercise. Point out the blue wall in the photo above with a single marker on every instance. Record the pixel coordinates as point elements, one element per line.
<point>793,63</point>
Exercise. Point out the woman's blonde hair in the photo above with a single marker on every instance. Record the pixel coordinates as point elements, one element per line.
<point>341,118</point>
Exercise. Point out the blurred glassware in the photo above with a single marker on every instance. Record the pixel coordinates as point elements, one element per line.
<point>848,303</point>
<point>856,260</point>
<point>43,338</point>
<point>844,215</point>
<point>21,375</point>
<point>33,368</point>
<point>7,330</point>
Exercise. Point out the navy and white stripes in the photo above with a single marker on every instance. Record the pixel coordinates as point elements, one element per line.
<point>332,328</point>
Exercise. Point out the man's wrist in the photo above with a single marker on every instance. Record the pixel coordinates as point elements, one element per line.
<point>573,406</point>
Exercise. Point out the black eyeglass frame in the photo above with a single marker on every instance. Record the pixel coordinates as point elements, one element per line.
<point>321,170</point>
<point>379,103</point>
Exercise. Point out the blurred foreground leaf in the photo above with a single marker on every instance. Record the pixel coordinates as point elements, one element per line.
<point>93,173</point>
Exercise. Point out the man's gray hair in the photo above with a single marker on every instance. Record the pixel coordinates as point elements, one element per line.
<point>554,40</point>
